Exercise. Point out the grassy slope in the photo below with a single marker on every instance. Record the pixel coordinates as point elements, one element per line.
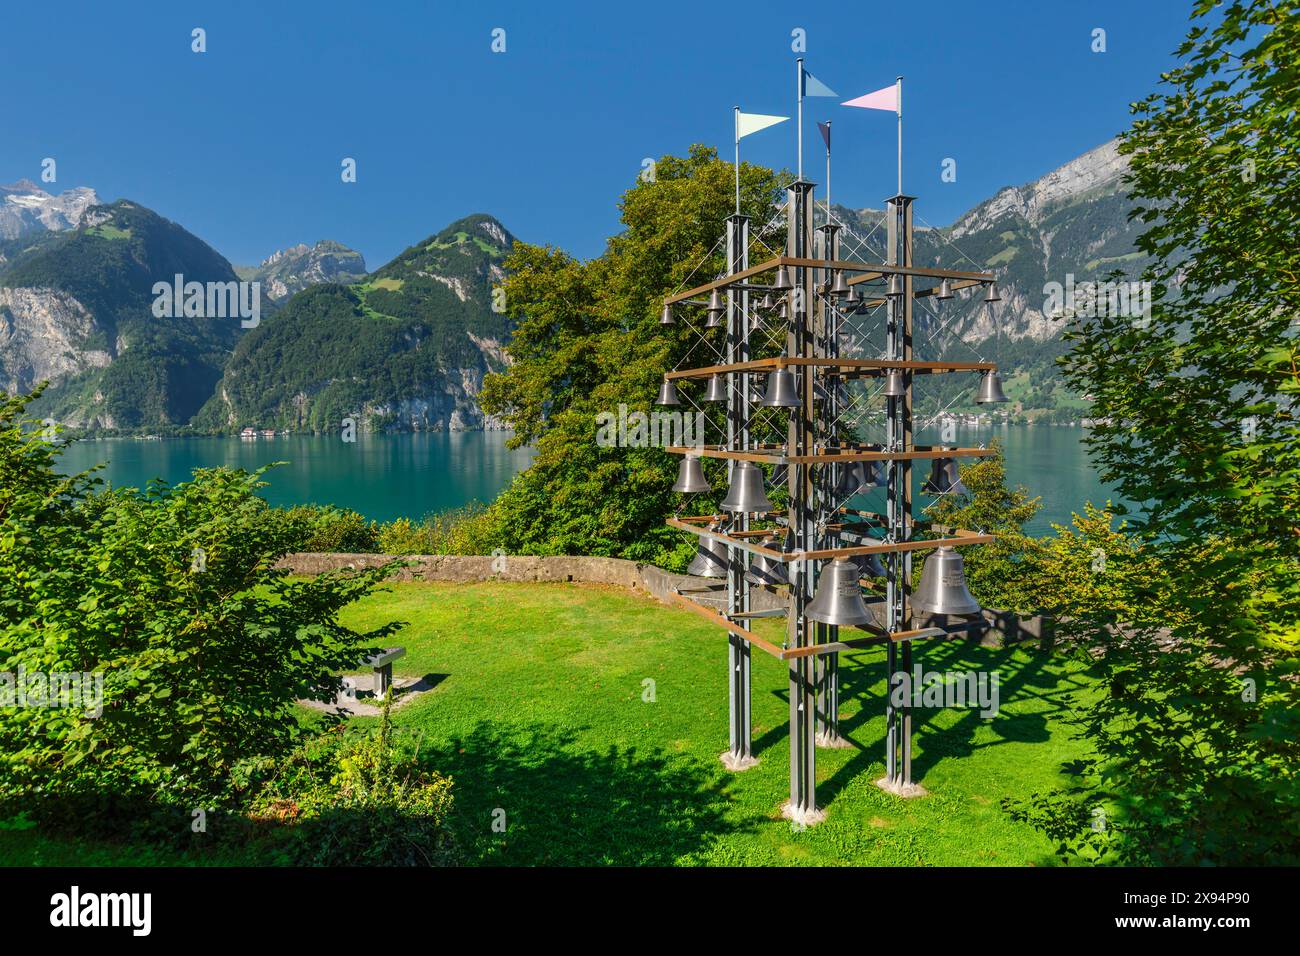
<point>540,713</point>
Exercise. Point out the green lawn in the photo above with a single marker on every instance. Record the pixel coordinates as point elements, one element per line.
<point>538,712</point>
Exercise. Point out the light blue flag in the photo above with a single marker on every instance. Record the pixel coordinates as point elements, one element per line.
<point>815,87</point>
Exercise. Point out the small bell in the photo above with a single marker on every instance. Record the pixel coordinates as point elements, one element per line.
<point>839,596</point>
<point>991,293</point>
<point>853,479</point>
<point>944,478</point>
<point>710,559</point>
<point>715,320</point>
<point>990,391</point>
<point>945,290</point>
<point>715,303</point>
<point>895,384</point>
<point>690,476</point>
<point>782,391</point>
<point>852,300</point>
<point>839,287</point>
<point>895,284</point>
<point>666,317</point>
<point>942,589</point>
<point>782,281</point>
<point>668,394</point>
<point>869,565</point>
<point>717,390</point>
<point>767,304</point>
<point>765,570</point>
<point>746,494</point>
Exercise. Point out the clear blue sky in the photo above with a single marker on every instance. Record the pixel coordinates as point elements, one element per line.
<point>242,144</point>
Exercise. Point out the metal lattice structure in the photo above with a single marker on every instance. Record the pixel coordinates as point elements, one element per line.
<point>808,294</point>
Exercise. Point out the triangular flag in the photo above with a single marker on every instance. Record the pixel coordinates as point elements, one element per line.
<point>815,87</point>
<point>886,99</point>
<point>825,129</point>
<point>747,123</point>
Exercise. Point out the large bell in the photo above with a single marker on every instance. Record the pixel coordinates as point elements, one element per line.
<point>944,478</point>
<point>895,384</point>
<point>710,559</point>
<point>690,476</point>
<point>990,389</point>
<point>782,281</point>
<point>945,290</point>
<point>839,596</point>
<point>668,394</point>
<point>764,570</point>
<point>839,287</point>
<point>782,392</point>
<point>991,293</point>
<point>666,317</point>
<point>943,586</point>
<point>746,494</point>
<point>717,390</point>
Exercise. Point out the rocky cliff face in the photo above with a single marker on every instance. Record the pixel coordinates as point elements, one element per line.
<point>44,334</point>
<point>291,270</point>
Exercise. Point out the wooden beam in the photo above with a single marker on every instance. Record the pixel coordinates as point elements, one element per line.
<point>721,621</point>
<point>723,282</point>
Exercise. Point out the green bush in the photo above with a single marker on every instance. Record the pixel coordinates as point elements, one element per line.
<point>464,530</point>
<point>323,529</point>
<point>170,602</point>
<point>359,802</point>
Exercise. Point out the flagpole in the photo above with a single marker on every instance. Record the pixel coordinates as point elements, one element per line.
<point>737,160</point>
<point>828,172</point>
<point>798,79</point>
<point>900,134</point>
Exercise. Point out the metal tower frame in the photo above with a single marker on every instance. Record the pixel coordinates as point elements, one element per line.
<point>815,527</point>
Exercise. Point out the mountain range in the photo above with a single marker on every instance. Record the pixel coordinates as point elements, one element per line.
<point>407,346</point>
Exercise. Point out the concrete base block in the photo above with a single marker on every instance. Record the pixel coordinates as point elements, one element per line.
<point>804,818</point>
<point>833,741</point>
<point>731,762</point>
<point>902,790</point>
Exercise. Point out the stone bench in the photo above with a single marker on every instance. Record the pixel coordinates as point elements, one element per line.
<point>382,665</point>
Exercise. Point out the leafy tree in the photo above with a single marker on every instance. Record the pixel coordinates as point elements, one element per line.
<point>587,339</point>
<point>171,597</point>
<point>1196,741</point>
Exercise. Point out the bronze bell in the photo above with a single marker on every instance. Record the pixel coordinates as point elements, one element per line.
<point>944,478</point>
<point>990,389</point>
<point>991,293</point>
<point>765,570</point>
<point>782,281</point>
<point>717,390</point>
<point>782,391</point>
<point>839,286</point>
<point>945,290</point>
<point>668,394</point>
<point>690,476</point>
<point>666,317</point>
<point>839,596</point>
<point>746,494</point>
<point>895,384</point>
<point>943,586</point>
<point>710,559</point>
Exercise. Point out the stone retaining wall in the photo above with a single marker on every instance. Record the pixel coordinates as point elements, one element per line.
<point>996,628</point>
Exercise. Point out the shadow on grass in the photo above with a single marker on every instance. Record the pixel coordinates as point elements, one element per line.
<point>564,805</point>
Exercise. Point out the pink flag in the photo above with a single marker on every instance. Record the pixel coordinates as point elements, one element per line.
<point>886,99</point>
